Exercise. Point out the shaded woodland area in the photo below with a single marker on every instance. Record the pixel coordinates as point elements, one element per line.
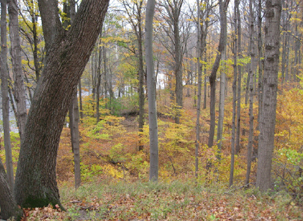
<point>205,93</point>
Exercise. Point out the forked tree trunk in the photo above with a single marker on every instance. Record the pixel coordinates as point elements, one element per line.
<point>152,108</point>
<point>270,84</point>
<point>67,56</point>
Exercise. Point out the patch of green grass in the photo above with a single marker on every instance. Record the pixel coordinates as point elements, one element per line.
<point>177,201</point>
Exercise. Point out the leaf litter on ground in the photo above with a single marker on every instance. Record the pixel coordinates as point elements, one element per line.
<point>162,201</point>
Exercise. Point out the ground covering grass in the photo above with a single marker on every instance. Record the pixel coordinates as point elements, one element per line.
<point>112,199</point>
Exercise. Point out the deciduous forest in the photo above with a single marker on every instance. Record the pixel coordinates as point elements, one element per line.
<point>151,110</point>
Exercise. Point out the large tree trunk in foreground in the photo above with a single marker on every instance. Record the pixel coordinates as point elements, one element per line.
<point>36,184</point>
<point>270,84</point>
<point>8,204</point>
<point>151,80</point>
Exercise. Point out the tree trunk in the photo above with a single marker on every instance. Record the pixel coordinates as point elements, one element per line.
<point>141,80</point>
<point>213,75</point>
<point>178,69</point>
<point>74,114</point>
<point>8,205</point>
<point>5,98</point>
<point>80,101</point>
<point>237,150</point>
<point>199,67</point>
<point>98,86</point>
<point>74,130</point>
<point>284,39</point>
<point>19,88</point>
<point>66,60</point>
<point>221,103</point>
<point>270,83</point>
<point>234,88</point>
<point>259,60</point>
<point>251,95</point>
<point>152,108</point>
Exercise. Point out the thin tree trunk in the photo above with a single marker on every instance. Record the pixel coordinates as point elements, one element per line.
<point>11,99</point>
<point>234,87</point>
<point>247,86</point>
<point>199,67</point>
<point>74,115</point>
<point>74,127</point>
<point>259,60</point>
<point>221,104</point>
<point>5,98</point>
<point>270,84</point>
<point>141,82</point>
<point>19,88</point>
<point>105,71</point>
<point>251,95</point>
<point>37,63</point>
<point>152,108</point>
<point>205,79</point>
<point>237,150</point>
<point>98,85</point>
<point>213,75</point>
<point>80,101</point>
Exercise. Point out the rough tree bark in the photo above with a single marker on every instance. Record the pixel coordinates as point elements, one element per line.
<point>8,205</point>
<point>270,83</point>
<point>152,107</point>
<point>67,55</point>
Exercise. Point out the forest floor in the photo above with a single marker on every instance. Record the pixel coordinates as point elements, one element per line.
<point>109,199</point>
<point>115,175</point>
